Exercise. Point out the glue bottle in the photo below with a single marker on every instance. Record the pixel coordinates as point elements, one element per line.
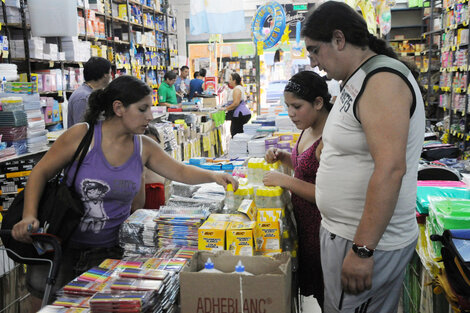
<point>209,267</point>
<point>240,269</point>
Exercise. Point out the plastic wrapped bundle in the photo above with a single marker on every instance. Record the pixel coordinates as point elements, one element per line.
<point>137,233</point>
<point>184,190</point>
<point>210,191</point>
<point>212,205</point>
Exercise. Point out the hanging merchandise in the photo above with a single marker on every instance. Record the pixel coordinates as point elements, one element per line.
<point>384,16</point>
<point>297,48</point>
<point>368,12</point>
<point>276,12</point>
<point>216,17</point>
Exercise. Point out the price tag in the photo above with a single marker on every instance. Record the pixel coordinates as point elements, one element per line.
<point>444,108</point>
<point>51,63</point>
<point>463,113</point>
<point>1,23</point>
<point>468,138</point>
<point>454,133</point>
<point>60,93</point>
<point>403,54</point>
<point>454,48</point>
<point>455,111</point>
<point>417,53</point>
<point>459,90</point>
<point>80,64</point>
<point>435,88</point>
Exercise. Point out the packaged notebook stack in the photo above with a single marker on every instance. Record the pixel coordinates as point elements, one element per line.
<point>137,234</point>
<point>178,225</point>
<point>13,125</point>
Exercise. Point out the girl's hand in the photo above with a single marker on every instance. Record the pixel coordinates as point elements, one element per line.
<point>23,228</point>
<point>224,179</point>
<point>273,155</point>
<point>274,179</point>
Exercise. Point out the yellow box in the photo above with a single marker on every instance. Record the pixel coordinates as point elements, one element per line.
<point>268,236</point>
<point>211,235</point>
<point>214,217</point>
<point>122,11</point>
<point>240,237</point>
<point>248,208</point>
<point>269,215</point>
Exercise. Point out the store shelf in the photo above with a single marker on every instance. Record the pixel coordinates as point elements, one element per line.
<point>406,39</point>
<point>16,25</point>
<point>407,26</point>
<point>15,157</point>
<point>432,32</point>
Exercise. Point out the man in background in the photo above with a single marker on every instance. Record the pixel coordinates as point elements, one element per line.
<point>182,83</point>
<point>97,74</point>
<point>196,86</point>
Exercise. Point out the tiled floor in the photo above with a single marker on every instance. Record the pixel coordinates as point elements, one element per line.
<point>310,305</point>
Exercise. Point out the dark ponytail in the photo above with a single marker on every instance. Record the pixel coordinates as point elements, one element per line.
<point>379,46</point>
<point>308,85</point>
<point>126,89</point>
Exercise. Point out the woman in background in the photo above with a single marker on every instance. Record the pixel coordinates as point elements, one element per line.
<point>236,109</point>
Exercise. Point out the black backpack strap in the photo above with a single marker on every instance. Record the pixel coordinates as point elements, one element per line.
<point>82,150</point>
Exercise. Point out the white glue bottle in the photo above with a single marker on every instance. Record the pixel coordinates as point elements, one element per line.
<point>209,267</point>
<point>240,269</point>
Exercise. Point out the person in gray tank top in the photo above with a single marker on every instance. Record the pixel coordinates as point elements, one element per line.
<point>108,179</point>
<point>366,182</point>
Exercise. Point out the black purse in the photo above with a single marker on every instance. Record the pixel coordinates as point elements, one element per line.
<point>60,207</point>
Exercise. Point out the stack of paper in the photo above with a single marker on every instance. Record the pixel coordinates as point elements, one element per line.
<point>238,146</point>
<point>250,129</point>
<point>256,148</point>
<point>137,233</point>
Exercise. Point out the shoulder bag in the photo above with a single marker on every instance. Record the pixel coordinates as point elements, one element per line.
<point>60,207</point>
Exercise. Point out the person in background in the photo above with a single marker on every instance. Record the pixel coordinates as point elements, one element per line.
<point>308,103</point>
<point>236,109</point>
<point>114,167</point>
<point>182,84</point>
<point>166,91</point>
<point>97,74</point>
<point>366,182</point>
<point>148,196</point>
<point>196,86</point>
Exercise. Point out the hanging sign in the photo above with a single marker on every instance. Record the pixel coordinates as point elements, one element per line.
<point>276,12</point>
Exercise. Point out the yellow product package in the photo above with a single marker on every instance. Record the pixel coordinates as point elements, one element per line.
<point>211,235</point>
<point>248,208</point>
<point>269,215</point>
<point>268,236</point>
<point>240,238</point>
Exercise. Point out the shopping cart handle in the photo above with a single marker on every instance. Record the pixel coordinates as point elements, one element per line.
<point>54,241</point>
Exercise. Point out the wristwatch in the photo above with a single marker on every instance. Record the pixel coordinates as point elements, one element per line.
<point>362,251</point>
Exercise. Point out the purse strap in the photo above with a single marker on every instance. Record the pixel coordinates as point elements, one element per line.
<point>82,150</point>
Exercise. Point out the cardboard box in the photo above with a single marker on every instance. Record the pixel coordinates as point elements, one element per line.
<point>209,102</point>
<point>240,238</point>
<point>268,237</point>
<point>211,235</point>
<point>269,290</point>
<point>248,208</point>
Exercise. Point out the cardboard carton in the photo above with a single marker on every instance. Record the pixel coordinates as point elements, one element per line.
<point>240,238</point>
<point>268,237</point>
<point>248,208</point>
<point>211,235</point>
<point>268,291</point>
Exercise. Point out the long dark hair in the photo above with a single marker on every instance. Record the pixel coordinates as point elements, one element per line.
<point>236,77</point>
<point>333,15</point>
<point>126,89</point>
<point>308,85</point>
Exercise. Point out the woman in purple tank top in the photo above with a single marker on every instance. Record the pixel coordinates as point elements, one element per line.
<point>308,103</point>
<point>108,179</point>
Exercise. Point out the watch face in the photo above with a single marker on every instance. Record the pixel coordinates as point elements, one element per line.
<point>363,253</point>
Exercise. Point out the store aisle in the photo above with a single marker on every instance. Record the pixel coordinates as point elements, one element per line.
<point>310,305</point>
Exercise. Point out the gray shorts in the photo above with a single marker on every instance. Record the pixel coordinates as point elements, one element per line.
<point>73,263</point>
<point>387,279</point>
